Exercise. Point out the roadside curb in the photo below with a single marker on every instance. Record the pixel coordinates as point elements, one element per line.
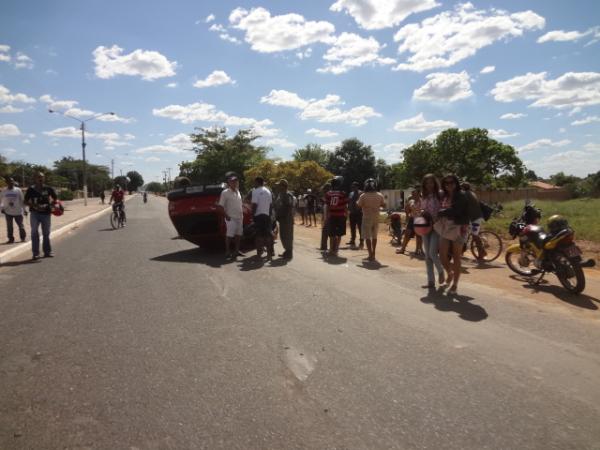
<point>26,246</point>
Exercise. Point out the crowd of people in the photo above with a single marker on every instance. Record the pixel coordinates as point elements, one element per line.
<point>438,214</point>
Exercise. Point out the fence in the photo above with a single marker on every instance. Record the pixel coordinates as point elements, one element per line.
<point>508,195</point>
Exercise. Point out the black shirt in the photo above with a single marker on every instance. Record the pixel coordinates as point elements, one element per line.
<point>40,200</point>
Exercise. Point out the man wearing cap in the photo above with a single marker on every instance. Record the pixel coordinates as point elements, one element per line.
<point>284,211</point>
<point>12,205</point>
<point>40,199</point>
<point>230,205</point>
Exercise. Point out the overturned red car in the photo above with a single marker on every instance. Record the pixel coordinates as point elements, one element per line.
<point>193,211</point>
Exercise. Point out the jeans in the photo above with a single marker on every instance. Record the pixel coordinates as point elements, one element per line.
<point>324,235</point>
<point>10,229</point>
<point>38,219</point>
<point>356,222</point>
<point>431,243</point>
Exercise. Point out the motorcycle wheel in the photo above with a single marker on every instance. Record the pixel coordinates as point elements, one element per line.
<point>569,274</point>
<point>513,261</point>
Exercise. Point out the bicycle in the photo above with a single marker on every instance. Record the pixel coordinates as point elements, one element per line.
<point>116,218</point>
<point>491,242</point>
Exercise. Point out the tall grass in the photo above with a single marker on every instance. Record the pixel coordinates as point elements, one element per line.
<point>583,215</point>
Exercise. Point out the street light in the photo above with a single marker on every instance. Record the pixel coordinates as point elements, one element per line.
<point>83,144</point>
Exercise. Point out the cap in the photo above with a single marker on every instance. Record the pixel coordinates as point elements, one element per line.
<point>232,178</point>
<point>283,181</point>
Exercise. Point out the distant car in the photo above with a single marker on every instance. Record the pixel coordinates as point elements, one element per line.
<point>193,211</point>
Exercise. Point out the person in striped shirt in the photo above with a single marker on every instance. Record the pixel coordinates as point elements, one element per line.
<point>336,201</point>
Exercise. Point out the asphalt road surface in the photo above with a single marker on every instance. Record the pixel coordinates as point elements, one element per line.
<point>132,339</point>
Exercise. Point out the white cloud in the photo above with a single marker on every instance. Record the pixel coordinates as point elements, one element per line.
<point>4,53</point>
<point>268,34</point>
<point>111,140</point>
<point>223,34</point>
<point>321,133</point>
<point>445,87</point>
<point>349,51</point>
<point>148,64</point>
<point>304,54</point>
<point>159,148</point>
<point>7,99</point>
<point>205,112</point>
<point>378,14</point>
<point>171,85</point>
<point>279,142</point>
<point>451,36</point>
<point>331,146</point>
<point>586,120</point>
<point>9,130</point>
<point>488,69</point>
<point>391,153</point>
<point>22,61</point>
<point>152,159</point>
<point>592,147</point>
<point>543,143</point>
<point>181,141</point>
<point>216,78</point>
<point>570,36</point>
<point>501,134</point>
<point>418,123</point>
<point>325,110</point>
<point>69,107</point>
<point>575,162</point>
<point>8,151</point>
<point>573,89</point>
<point>210,18</point>
<point>512,116</point>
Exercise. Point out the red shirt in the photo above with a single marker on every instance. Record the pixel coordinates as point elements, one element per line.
<point>117,196</point>
<point>336,203</point>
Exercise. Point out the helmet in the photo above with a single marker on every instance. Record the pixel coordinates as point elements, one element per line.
<point>557,223</point>
<point>337,182</point>
<point>117,186</point>
<point>422,226</point>
<point>57,208</point>
<point>370,184</point>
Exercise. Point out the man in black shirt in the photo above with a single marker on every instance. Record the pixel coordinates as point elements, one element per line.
<point>40,199</point>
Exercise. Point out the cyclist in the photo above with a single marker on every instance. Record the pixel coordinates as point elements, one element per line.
<point>117,196</point>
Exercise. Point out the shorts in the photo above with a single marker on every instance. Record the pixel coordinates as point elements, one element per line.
<point>336,226</point>
<point>450,231</point>
<point>235,227</point>
<point>370,227</point>
<point>476,226</point>
<point>264,227</point>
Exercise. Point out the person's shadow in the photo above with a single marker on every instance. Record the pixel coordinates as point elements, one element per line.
<point>459,304</point>
<point>579,300</point>
<point>254,262</point>
<point>333,260</point>
<point>371,265</point>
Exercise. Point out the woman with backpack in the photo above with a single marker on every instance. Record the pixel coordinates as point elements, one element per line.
<point>452,225</point>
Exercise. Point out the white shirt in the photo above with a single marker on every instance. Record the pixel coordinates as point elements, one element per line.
<point>231,201</point>
<point>262,198</point>
<point>12,201</point>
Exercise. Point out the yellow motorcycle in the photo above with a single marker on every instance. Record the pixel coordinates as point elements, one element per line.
<point>538,252</point>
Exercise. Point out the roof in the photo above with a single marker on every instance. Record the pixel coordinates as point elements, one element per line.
<point>543,185</point>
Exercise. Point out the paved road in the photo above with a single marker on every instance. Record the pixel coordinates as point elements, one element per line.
<point>131,339</point>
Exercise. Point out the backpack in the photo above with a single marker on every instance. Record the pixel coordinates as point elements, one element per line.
<point>486,210</point>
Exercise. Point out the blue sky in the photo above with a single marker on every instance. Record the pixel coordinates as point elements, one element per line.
<point>386,71</point>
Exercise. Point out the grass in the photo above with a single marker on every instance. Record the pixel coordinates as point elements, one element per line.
<point>583,215</point>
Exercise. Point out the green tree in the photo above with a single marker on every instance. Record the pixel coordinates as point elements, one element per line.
<point>470,154</point>
<point>135,181</point>
<point>312,152</point>
<point>300,175</point>
<point>353,160</point>
<point>561,179</point>
<point>155,186</point>
<point>71,170</point>
<point>218,153</point>
<point>121,181</point>
<point>530,175</point>
<point>385,174</point>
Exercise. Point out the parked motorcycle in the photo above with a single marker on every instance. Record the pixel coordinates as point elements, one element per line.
<point>538,252</point>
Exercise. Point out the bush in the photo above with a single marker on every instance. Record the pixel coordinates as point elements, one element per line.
<point>65,195</point>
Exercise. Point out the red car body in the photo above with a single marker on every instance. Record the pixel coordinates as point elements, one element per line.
<point>193,211</point>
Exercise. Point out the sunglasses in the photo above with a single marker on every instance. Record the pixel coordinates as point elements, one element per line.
<point>447,182</point>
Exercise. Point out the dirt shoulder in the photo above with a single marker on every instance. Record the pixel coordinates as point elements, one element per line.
<point>495,275</point>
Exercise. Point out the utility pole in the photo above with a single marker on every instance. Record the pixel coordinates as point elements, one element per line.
<point>112,169</point>
<point>83,145</point>
<point>22,176</point>
<point>169,169</point>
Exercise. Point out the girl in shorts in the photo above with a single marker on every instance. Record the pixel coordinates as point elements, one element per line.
<point>453,220</point>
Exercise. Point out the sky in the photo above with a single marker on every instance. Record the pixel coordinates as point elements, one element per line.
<point>388,72</point>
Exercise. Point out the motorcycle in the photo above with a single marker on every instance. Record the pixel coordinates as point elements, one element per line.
<point>538,252</point>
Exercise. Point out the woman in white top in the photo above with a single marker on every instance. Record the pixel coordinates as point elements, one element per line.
<point>429,207</point>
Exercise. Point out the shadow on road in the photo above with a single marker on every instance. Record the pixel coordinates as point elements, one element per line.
<point>334,260</point>
<point>254,262</point>
<point>106,229</point>
<point>195,256</point>
<point>371,265</point>
<point>459,304</point>
<point>19,263</point>
<point>581,300</point>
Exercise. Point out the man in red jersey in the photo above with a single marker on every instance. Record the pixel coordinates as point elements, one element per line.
<point>336,201</point>
<point>117,197</point>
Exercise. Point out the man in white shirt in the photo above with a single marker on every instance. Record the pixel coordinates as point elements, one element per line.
<point>262,202</point>
<point>12,205</point>
<point>230,205</point>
